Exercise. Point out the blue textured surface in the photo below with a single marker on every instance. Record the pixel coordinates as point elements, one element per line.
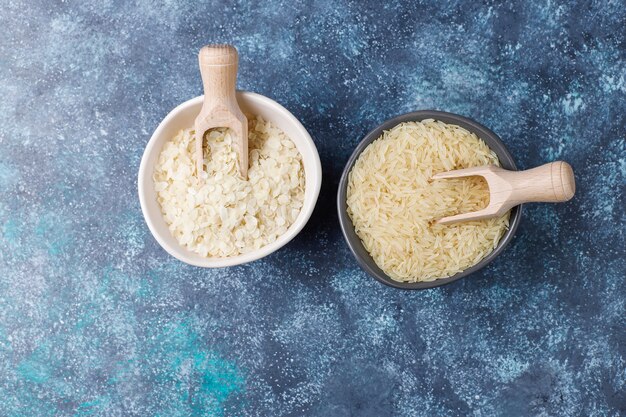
<point>96,319</point>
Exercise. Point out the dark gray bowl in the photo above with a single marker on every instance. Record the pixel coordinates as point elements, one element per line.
<point>363,258</point>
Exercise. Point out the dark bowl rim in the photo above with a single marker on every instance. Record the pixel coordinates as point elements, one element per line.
<point>354,243</point>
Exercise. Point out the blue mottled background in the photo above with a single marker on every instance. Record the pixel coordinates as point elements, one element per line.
<point>96,319</point>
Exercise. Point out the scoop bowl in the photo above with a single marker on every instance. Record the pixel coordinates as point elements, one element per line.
<point>354,242</point>
<point>183,117</point>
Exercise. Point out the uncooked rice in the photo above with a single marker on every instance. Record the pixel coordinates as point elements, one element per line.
<point>393,203</point>
<point>219,214</point>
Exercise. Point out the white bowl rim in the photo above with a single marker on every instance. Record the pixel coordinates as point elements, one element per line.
<point>314,181</point>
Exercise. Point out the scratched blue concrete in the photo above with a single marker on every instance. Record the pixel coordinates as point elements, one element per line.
<point>96,319</point>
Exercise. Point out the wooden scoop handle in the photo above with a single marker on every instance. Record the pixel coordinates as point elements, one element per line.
<point>550,183</point>
<point>218,67</point>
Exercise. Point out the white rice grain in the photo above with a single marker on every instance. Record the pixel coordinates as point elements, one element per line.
<point>219,214</point>
<point>393,203</point>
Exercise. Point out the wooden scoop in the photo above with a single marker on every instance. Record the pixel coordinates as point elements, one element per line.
<point>218,67</point>
<point>549,183</point>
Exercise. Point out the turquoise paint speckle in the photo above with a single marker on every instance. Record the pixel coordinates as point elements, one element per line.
<point>36,367</point>
<point>195,380</point>
<point>10,231</point>
<point>53,233</point>
<point>90,408</point>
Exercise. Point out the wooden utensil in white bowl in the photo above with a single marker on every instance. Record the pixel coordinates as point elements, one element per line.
<point>218,67</point>
<point>182,117</point>
<point>550,183</point>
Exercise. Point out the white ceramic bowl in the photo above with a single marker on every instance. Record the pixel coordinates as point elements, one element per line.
<point>183,117</point>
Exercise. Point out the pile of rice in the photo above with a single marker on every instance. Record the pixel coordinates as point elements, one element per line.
<point>393,203</point>
<point>219,214</point>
